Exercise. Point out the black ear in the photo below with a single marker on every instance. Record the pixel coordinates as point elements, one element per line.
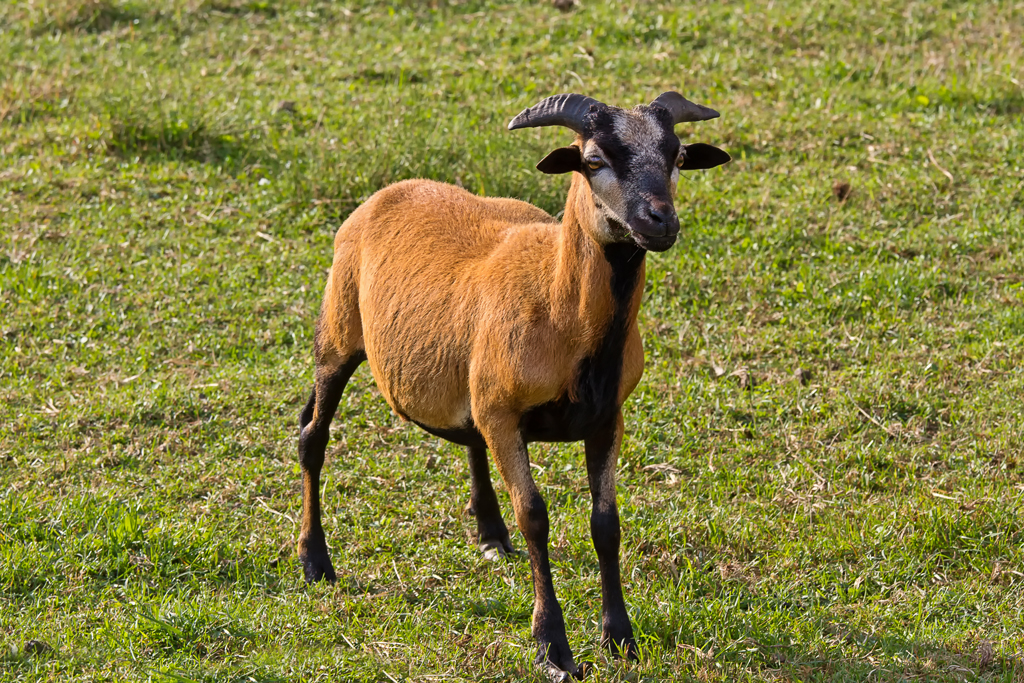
<point>700,155</point>
<point>562,160</point>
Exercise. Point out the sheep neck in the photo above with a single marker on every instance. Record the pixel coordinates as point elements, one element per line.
<point>584,291</point>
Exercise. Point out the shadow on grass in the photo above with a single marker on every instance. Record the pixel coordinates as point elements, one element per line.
<point>850,654</point>
<point>100,16</point>
<point>239,7</point>
<point>1003,103</point>
<point>1006,106</point>
<point>19,106</point>
<point>739,641</point>
<point>303,165</point>
<point>173,136</point>
<point>398,77</point>
<point>90,16</point>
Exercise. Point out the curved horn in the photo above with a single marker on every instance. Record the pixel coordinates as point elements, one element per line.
<point>683,109</point>
<point>558,110</point>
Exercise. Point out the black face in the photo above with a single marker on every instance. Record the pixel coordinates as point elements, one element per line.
<point>632,160</point>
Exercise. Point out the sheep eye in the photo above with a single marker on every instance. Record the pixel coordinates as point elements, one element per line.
<point>681,161</point>
<point>594,163</point>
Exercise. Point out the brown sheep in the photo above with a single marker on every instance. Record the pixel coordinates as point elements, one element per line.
<point>491,324</point>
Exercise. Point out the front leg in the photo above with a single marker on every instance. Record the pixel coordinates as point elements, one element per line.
<point>602,449</point>
<point>501,431</point>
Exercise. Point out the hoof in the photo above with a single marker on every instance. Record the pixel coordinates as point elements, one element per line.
<point>316,566</point>
<point>557,663</point>
<point>495,545</point>
<point>493,553</point>
<point>557,675</point>
<point>319,573</point>
<point>622,648</point>
<point>496,550</point>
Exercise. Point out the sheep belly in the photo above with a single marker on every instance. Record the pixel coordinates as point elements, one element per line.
<point>562,420</point>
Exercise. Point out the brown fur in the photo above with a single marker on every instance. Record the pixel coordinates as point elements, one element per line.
<point>498,316</point>
<point>488,322</point>
<point>491,324</point>
<point>477,309</point>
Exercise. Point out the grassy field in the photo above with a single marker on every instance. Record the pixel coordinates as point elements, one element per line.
<point>822,479</point>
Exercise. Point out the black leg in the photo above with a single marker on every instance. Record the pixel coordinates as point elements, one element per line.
<point>602,449</point>
<point>492,534</point>
<point>553,651</point>
<point>501,430</point>
<point>316,430</point>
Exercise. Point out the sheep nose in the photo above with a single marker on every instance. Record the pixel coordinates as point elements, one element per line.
<point>663,216</point>
<point>659,215</point>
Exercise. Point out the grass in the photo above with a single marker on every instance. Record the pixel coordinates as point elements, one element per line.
<point>822,478</point>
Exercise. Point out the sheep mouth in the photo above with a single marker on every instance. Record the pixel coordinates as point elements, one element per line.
<point>652,242</point>
<point>648,242</point>
<point>654,231</point>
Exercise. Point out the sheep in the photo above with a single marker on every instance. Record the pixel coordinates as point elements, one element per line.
<point>492,325</point>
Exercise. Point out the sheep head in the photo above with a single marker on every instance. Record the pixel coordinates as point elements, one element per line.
<point>630,158</point>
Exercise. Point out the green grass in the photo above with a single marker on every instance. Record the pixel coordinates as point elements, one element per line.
<point>822,475</point>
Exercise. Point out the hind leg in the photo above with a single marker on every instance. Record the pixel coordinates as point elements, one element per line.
<point>315,422</point>
<point>492,534</point>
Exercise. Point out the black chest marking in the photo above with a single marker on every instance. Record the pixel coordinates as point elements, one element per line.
<point>600,375</point>
<point>598,379</point>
